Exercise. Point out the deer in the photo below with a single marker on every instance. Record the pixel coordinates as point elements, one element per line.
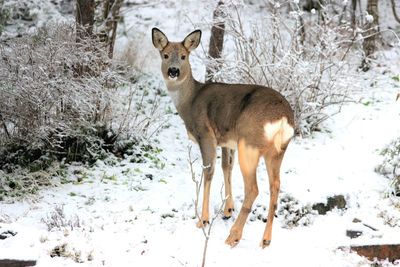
<point>256,121</point>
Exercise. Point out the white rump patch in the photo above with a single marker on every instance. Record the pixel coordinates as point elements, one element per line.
<point>279,132</point>
<point>272,128</point>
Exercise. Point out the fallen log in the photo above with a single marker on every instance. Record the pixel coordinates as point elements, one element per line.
<point>380,252</point>
<point>17,263</point>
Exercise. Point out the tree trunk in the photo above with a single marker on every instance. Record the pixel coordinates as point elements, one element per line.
<point>214,53</point>
<point>110,18</point>
<point>353,13</point>
<point>216,41</point>
<point>85,10</point>
<point>371,32</point>
<point>114,24</point>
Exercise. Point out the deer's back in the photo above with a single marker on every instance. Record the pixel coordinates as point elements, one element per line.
<point>234,111</point>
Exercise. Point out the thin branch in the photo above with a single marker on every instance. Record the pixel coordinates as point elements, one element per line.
<point>396,16</point>
<point>198,183</point>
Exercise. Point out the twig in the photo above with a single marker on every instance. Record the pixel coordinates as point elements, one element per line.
<point>4,126</point>
<point>394,12</point>
<point>207,233</point>
<point>370,227</point>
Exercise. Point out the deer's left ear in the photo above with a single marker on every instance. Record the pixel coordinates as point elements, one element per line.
<point>192,40</point>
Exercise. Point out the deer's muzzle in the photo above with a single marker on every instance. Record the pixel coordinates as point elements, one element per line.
<point>173,72</point>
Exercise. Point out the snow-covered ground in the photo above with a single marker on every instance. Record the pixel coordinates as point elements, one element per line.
<point>118,216</point>
<point>138,214</point>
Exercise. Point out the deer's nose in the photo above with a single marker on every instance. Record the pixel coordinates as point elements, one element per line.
<point>173,72</point>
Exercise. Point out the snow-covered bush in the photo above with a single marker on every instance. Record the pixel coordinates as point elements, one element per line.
<point>66,250</point>
<point>45,102</point>
<point>21,182</point>
<point>293,52</point>
<point>390,217</point>
<point>390,167</point>
<point>20,10</point>
<point>4,16</point>
<point>293,213</point>
<point>65,99</point>
<point>24,16</point>
<point>391,213</point>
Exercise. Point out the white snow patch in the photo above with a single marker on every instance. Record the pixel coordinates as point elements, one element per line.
<point>369,18</point>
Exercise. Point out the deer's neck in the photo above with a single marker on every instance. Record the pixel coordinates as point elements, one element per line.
<point>182,92</point>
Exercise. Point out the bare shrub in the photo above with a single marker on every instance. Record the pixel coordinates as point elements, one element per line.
<point>131,52</point>
<point>57,220</point>
<point>390,166</point>
<point>390,215</point>
<point>300,56</point>
<point>294,213</point>
<point>43,99</point>
<point>62,99</point>
<point>136,110</point>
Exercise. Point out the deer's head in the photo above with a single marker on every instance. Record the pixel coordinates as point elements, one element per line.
<point>175,64</point>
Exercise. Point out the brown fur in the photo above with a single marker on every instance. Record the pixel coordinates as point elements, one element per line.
<point>257,119</point>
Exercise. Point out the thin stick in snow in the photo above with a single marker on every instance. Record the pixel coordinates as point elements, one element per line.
<point>198,183</point>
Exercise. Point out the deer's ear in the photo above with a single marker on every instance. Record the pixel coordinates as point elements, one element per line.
<point>192,40</point>
<point>159,39</point>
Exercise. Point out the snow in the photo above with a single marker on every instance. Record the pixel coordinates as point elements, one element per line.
<point>128,219</point>
<point>369,18</point>
<point>122,226</point>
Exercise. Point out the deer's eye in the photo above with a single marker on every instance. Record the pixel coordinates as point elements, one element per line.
<point>166,56</point>
<point>183,57</point>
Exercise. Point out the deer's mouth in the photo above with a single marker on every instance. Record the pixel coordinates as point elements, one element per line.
<point>173,73</point>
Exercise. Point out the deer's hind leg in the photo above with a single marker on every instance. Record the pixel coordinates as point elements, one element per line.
<point>279,135</point>
<point>228,156</point>
<point>273,160</point>
<point>248,160</point>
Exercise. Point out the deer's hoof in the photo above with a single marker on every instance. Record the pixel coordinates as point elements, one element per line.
<point>202,223</point>
<point>228,213</point>
<point>265,243</point>
<point>233,239</point>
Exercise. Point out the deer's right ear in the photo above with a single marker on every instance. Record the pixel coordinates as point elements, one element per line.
<point>159,39</point>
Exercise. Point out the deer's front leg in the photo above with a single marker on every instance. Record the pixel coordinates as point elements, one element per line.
<point>228,156</point>
<point>208,147</point>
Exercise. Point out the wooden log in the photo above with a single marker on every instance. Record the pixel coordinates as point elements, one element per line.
<point>17,263</point>
<point>381,252</point>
